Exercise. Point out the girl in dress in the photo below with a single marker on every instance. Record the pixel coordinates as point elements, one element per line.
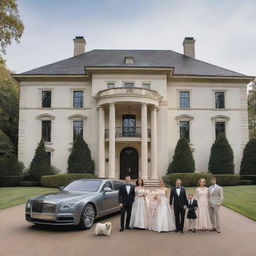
<point>139,208</point>
<point>165,220</point>
<point>203,216</point>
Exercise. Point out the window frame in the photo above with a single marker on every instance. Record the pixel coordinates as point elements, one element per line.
<point>215,100</point>
<point>45,137</point>
<point>225,128</point>
<point>189,99</point>
<point>82,127</point>
<point>73,97</point>
<point>180,128</point>
<point>42,98</point>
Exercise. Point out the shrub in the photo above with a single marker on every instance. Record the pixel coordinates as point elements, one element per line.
<point>40,164</point>
<point>221,159</point>
<point>252,178</point>
<point>245,182</point>
<point>248,163</point>
<point>10,181</point>
<point>59,180</point>
<point>6,146</point>
<point>191,179</point>
<point>29,183</point>
<point>183,161</point>
<point>80,160</point>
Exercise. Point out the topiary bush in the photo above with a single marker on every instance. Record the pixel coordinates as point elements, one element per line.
<point>40,164</point>
<point>248,163</point>
<point>59,180</point>
<point>80,160</point>
<point>6,146</point>
<point>183,161</point>
<point>221,159</point>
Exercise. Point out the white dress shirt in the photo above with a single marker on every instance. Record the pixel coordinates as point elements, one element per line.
<point>178,191</point>
<point>128,188</point>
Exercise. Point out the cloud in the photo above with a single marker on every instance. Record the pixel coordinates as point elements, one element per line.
<point>224,30</point>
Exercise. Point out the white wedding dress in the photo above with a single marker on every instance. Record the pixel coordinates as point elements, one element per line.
<point>165,220</point>
<point>139,213</point>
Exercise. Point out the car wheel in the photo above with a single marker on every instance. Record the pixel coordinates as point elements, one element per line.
<point>87,217</point>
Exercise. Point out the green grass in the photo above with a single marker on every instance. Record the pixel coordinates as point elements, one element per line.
<point>241,199</point>
<point>11,196</point>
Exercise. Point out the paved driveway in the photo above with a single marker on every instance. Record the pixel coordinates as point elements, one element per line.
<point>17,237</point>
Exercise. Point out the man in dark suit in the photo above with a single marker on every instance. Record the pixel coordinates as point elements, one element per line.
<point>178,200</point>
<point>126,199</point>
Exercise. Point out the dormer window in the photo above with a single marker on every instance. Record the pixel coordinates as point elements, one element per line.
<point>128,60</point>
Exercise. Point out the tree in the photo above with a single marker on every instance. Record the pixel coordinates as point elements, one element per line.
<point>221,159</point>
<point>11,26</point>
<point>6,147</point>
<point>80,160</point>
<point>183,159</point>
<point>252,110</point>
<point>40,164</point>
<point>9,105</point>
<point>248,163</point>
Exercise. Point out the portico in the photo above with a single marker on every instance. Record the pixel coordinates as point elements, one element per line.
<point>144,103</point>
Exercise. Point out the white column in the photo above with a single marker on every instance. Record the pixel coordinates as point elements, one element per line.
<point>112,140</point>
<point>101,143</point>
<point>153,143</point>
<point>144,142</point>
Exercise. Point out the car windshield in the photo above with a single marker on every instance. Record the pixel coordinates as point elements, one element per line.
<point>83,185</point>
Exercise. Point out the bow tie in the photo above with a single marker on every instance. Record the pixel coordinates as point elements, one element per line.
<point>177,187</point>
<point>128,184</point>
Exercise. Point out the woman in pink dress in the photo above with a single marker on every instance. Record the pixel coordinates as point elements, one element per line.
<point>152,208</point>
<point>203,216</point>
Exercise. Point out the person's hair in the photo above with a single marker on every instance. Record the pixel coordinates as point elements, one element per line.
<point>126,176</point>
<point>201,180</point>
<point>190,194</point>
<point>137,182</point>
<point>178,180</point>
<point>213,178</point>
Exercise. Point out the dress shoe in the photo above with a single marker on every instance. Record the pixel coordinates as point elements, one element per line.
<point>128,228</point>
<point>194,231</point>
<point>189,230</point>
<point>181,231</point>
<point>214,229</point>
<point>121,230</point>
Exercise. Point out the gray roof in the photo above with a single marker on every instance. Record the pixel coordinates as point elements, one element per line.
<point>182,64</point>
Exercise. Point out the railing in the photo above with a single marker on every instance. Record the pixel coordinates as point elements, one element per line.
<point>127,132</point>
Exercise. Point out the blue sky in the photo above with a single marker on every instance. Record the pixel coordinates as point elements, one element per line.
<point>224,30</point>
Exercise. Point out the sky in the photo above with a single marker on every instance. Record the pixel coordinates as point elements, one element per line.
<point>225,30</point>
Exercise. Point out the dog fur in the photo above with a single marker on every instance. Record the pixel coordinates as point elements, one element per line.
<point>103,229</point>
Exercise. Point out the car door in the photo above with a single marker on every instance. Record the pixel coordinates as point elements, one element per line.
<point>109,199</point>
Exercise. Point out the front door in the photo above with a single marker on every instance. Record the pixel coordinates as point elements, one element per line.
<point>129,163</point>
<point>129,126</point>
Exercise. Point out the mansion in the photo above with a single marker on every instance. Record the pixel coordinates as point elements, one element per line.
<point>131,106</point>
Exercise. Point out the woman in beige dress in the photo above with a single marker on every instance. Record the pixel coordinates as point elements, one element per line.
<point>203,216</point>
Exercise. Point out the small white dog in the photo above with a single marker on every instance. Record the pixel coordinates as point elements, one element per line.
<point>103,229</point>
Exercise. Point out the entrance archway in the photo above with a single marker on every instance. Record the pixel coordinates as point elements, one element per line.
<point>129,163</point>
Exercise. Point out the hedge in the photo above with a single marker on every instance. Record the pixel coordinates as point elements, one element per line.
<point>10,181</point>
<point>191,179</point>
<point>28,183</point>
<point>251,178</point>
<point>59,180</point>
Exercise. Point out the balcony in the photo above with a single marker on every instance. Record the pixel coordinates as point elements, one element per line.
<point>128,94</point>
<point>127,132</point>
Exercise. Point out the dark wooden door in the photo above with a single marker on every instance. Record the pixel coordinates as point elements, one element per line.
<point>129,163</point>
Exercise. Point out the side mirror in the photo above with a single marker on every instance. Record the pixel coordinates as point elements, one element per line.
<point>107,189</point>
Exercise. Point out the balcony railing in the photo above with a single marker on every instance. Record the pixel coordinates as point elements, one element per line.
<point>127,132</point>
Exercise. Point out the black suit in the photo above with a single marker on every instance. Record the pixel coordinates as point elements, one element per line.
<point>127,201</point>
<point>178,202</point>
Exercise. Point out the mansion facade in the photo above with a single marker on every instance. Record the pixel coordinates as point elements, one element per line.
<point>131,106</point>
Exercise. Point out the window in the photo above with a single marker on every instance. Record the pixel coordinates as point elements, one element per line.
<point>220,127</point>
<point>146,85</point>
<point>46,130</point>
<point>77,128</point>
<point>110,85</point>
<point>184,130</point>
<point>219,100</point>
<point>46,99</point>
<point>128,84</point>
<point>129,60</point>
<point>78,98</point>
<point>107,185</point>
<point>117,185</point>
<point>184,99</point>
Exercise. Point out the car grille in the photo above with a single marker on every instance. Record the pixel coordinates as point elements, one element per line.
<point>43,207</point>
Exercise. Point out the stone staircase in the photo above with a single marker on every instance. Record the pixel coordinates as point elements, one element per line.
<point>151,183</point>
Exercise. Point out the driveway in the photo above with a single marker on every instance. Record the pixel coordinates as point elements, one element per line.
<point>17,237</point>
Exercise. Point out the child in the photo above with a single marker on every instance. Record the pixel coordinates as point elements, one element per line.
<point>191,215</point>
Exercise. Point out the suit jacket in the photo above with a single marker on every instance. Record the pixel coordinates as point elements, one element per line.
<point>215,195</point>
<point>193,205</point>
<point>178,201</point>
<point>192,209</point>
<point>124,197</point>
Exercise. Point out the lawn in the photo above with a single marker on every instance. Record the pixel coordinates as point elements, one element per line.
<point>241,199</point>
<point>12,196</point>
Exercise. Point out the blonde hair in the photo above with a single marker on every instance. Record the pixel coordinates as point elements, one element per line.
<point>201,179</point>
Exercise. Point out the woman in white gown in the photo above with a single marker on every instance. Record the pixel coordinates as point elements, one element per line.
<point>139,217</point>
<point>202,197</point>
<point>164,220</point>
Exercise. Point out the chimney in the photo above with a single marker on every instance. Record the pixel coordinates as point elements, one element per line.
<point>79,45</point>
<point>189,47</point>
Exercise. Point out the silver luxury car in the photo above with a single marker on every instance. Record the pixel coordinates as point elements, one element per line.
<point>79,203</point>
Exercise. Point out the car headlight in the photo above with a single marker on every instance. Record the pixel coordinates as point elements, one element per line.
<point>67,206</point>
<point>28,205</point>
